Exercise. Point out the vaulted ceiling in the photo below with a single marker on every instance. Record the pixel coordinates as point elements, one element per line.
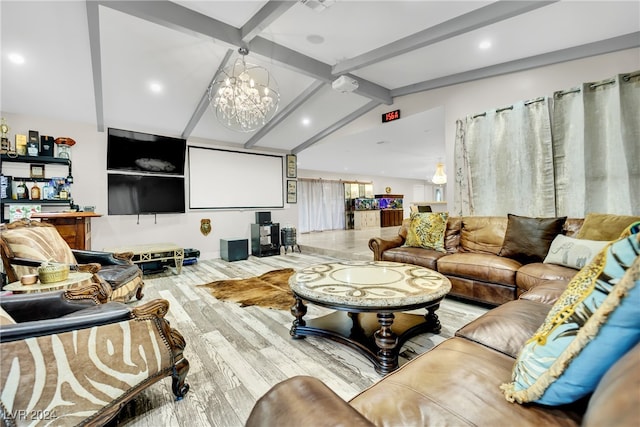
<point>93,62</point>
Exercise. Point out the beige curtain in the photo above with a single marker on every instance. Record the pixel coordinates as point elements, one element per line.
<point>320,205</point>
<point>504,162</point>
<point>596,132</point>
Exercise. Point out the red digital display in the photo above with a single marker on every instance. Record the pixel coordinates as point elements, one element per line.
<point>391,116</point>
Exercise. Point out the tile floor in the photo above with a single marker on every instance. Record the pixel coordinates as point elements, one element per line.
<point>346,244</point>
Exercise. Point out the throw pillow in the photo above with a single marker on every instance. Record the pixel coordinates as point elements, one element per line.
<point>593,324</point>
<point>528,239</point>
<point>426,230</point>
<point>607,227</point>
<point>572,252</point>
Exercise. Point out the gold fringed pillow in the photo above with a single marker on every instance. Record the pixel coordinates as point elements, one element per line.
<point>426,230</point>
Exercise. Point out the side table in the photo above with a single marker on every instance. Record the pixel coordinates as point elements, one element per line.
<point>74,279</point>
<point>153,252</point>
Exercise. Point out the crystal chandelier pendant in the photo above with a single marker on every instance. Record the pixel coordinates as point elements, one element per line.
<point>244,96</point>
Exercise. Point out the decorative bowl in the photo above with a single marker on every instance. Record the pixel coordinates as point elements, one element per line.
<point>51,272</point>
<point>29,279</point>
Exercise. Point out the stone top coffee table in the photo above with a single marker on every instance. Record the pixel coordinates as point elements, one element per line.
<point>366,294</point>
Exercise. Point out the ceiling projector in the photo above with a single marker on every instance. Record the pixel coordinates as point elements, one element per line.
<point>344,84</point>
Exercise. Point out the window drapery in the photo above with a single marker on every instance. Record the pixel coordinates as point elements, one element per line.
<point>320,205</point>
<point>596,130</point>
<point>504,162</point>
<point>579,154</point>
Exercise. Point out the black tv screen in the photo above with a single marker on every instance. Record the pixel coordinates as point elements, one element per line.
<point>145,153</point>
<point>145,194</point>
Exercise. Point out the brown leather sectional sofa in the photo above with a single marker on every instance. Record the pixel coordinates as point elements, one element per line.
<point>458,383</point>
<point>471,261</point>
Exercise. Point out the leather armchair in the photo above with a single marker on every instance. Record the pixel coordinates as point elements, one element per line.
<point>70,360</point>
<point>26,244</point>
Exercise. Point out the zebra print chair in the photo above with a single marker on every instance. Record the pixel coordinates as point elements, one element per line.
<point>26,244</point>
<point>67,359</point>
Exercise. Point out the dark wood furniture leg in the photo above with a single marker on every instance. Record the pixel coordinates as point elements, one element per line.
<point>298,309</point>
<point>387,342</point>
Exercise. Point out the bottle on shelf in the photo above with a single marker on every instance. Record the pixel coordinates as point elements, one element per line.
<point>21,191</point>
<point>35,192</point>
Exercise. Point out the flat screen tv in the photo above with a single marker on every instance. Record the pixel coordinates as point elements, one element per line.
<point>145,153</point>
<point>145,194</point>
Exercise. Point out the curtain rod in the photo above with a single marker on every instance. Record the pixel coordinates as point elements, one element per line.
<point>510,107</point>
<point>624,77</point>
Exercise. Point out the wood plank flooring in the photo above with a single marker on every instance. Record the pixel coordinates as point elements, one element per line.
<point>236,354</point>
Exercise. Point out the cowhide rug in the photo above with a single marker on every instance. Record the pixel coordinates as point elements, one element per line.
<point>270,290</point>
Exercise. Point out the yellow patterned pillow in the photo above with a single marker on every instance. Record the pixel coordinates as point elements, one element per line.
<point>426,230</point>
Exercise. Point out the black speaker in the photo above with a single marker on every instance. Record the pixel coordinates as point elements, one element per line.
<point>263,218</point>
<point>234,250</point>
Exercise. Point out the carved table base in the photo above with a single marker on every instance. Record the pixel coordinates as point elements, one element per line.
<point>378,336</point>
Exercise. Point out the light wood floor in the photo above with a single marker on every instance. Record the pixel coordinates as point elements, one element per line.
<point>236,354</point>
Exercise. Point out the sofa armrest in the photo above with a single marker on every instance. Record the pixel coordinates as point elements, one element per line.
<point>303,401</point>
<point>97,315</point>
<point>102,258</point>
<point>379,245</point>
<point>53,304</point>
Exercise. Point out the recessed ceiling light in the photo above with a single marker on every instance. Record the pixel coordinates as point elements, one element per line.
<point>155,87</point>
<point>486,44</point>
<point>16,58</point>
<point>315,39</point>
<point>306,121</point>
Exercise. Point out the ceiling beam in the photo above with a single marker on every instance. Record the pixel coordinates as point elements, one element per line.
<point>265,16</point>
<point>179,18</point>
<point>614,44</point>
<point>204,101</point>
<point>93,21</point>
<point>334,127</point>
<point>482,17</point>
<point>284,113</point>
<point>174,16</point>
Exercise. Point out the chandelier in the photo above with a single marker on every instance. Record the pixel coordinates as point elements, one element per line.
<point>244,96</point>
<point>439,178</point>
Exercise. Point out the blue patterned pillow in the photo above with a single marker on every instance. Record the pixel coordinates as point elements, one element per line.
<point>593,324</point>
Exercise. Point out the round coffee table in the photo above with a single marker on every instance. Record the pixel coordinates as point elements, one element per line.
<point>366,294</point>
<point>74,279</point>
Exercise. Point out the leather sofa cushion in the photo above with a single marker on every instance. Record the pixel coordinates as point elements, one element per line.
<point>531,275</point>
<point>615,400</point>
<point>457,384</point>
<point>483,267</point>
<point>417,256</point>
<point>507,327</point>
<point>546,292</point>
<point>483,234</point>
<point>117,275</point>
<point>598,226</point>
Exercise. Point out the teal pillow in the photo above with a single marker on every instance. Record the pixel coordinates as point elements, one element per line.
<point>593,324</point>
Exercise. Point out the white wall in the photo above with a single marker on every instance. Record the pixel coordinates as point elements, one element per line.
<point>89,162</point>
<point>495,92</point>
<point>89,154</point>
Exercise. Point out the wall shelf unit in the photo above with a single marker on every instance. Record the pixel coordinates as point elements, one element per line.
<point>31,160</point>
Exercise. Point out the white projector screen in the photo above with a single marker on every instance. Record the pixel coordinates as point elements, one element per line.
<point>225,179</point>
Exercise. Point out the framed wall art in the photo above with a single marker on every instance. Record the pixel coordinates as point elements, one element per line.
<point>292,191</point>
<point>292,166</point>
<point>36,171</point>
